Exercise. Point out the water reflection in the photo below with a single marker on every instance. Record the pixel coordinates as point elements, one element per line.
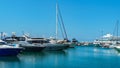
<point>106,51</point>
<point>9,59</point>
<point>43,54</point>
<point>93,57</point>
<point>79,57</point>
<point>118,52</point>
<point>9,62</point>
<point>56,53</point>
<point>42,59</point>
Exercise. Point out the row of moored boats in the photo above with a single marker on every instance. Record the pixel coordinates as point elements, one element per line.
<point>14,45</point>
<point>108,41</point>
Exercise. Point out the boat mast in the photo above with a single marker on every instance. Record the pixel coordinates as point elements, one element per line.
<point>117,29</point>
<point>60,15</point>
<point>62,26</point>
<point>56,20</point>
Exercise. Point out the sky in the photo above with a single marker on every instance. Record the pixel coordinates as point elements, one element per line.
<point>84,20</point>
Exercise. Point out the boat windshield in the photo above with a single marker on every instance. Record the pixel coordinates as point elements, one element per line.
<point>3,43</point>
<point>15,38</point>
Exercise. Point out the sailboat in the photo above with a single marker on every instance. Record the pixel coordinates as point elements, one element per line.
<point>59,20</point>
<point>54,44</point>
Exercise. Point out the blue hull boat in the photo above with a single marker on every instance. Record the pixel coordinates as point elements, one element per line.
<point>10,51</point>
<point>7,50</point>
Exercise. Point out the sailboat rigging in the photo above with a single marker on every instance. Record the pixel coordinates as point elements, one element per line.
<point>59,20</point>
<point>117,32</point>
<point>117,47</point>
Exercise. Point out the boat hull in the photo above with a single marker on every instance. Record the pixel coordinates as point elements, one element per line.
<point>117,48</point>
<point>55,47</point>
<point>10,51</point>
<point>72,45</point>
<point>33,48</point>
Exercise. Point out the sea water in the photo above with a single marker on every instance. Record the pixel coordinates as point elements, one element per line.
<point>78,57</point>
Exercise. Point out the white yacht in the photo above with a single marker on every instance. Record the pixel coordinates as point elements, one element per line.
<point>50,45</point>
<point>22,41</point>
<point>107,40</point>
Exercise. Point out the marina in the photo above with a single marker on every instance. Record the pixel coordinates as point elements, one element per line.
<point>59,34</point>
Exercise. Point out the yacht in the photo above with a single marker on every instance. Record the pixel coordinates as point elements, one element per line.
<point>22,41</point>
<point>50,44</point>
<point>9,50</point>
<point>107,40</point>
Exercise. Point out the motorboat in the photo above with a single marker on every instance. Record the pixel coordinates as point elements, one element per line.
<point>8,50</point>
<point>22,41</point>
<point>50,44</point>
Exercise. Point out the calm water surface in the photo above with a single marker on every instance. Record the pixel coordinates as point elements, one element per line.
<point>78,57</point>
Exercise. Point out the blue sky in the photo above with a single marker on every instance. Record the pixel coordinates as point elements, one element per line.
<point>83,19</point>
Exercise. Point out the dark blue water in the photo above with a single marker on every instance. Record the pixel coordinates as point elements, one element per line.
<point>79,57</point>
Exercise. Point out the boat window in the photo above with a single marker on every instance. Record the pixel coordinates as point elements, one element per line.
<point>21,39</point>
<point>15,38</point>
<point>29,42</point>
<point>38,41</point>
